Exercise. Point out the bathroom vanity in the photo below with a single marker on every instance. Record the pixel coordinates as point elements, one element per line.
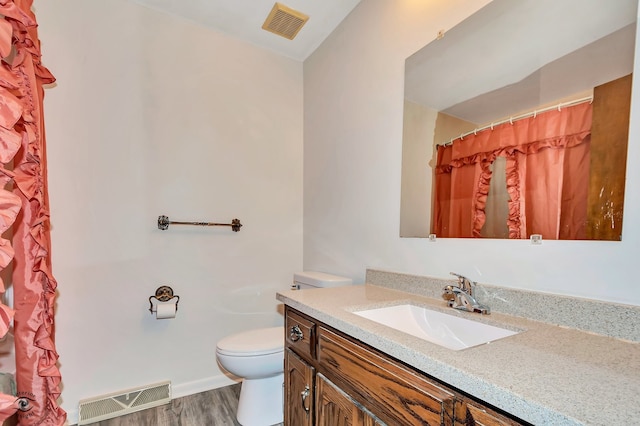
<point>337,380</point>
<point>341,368</point>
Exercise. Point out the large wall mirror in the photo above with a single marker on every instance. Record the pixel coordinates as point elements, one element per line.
<point>516,123</point>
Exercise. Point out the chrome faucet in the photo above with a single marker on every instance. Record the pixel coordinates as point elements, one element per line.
<point>461,296</point>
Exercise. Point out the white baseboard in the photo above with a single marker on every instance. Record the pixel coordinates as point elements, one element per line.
<point>202,385</point>
<point>177,391</point>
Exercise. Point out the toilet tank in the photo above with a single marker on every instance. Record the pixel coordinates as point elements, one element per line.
<point>312,279</point>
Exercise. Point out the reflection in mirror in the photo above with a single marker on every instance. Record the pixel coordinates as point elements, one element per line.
<point>516,123</point>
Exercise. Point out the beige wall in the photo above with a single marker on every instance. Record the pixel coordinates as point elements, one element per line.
<point>155,115</point>
<point>418,136</point>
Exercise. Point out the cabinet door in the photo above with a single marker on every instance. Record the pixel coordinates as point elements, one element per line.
<point>470,413</point>
<point>336,408</point>
<point>298,388</point>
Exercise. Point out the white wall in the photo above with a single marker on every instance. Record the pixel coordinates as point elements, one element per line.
<point>155,115</point>
<point>353,132</point>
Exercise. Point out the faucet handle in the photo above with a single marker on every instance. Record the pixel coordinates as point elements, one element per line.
<point>461,278</point>
<point>465,283</point>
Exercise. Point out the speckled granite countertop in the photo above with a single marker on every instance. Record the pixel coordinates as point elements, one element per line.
<point>546,375</point>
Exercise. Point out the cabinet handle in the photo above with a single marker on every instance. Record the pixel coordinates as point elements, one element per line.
<point>295,333</point>
<point>304,394</point>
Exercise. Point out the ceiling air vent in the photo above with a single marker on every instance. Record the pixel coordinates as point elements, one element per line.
<point>284,21</point>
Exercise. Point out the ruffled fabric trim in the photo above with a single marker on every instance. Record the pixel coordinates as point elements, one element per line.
<point>514,222</point>
<point>552,128</point>
<point>533,147</point>
<point>480,198</point>
<point>22,154</point>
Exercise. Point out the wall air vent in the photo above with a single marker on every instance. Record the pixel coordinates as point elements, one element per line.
<point>284,21</point>
<point>124,402</point>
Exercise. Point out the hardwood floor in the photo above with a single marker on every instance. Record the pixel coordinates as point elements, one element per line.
<point>216,407</point>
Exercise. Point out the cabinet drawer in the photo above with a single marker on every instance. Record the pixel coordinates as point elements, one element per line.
<point>300,334</point>
<point>394,393</point>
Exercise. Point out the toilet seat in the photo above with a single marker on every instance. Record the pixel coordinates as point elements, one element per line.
<point>262,341</point>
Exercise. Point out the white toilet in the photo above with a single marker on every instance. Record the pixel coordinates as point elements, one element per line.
<point>258,357</point>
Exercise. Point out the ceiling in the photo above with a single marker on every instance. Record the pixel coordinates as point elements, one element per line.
<point>243,19</point>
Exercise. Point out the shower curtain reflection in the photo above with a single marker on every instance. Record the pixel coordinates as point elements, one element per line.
<point>542,155</point>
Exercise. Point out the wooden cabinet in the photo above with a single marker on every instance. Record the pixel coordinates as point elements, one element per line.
<point>332,379</point>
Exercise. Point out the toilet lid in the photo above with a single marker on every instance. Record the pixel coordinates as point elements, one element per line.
<point>262,341</point>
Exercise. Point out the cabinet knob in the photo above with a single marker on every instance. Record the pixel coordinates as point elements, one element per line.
<point>295,334</point>
<point>304,394</point>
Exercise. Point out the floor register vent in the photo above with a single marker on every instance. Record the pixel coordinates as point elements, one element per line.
<point>124,402</point>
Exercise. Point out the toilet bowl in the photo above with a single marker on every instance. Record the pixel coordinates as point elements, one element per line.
<point>257,356</point>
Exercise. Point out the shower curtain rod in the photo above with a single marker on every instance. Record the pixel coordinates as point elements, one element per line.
<point>533,113</point>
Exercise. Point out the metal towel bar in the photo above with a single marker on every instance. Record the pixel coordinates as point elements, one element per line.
<point>164,222</point>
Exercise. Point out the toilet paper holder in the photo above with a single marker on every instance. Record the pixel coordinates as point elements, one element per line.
<point>163,294</point>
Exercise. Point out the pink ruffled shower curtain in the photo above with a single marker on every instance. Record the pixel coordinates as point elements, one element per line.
<point>24,206</point>
<point>547,171</point>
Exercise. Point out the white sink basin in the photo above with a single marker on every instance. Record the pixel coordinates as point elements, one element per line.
<point>436,327</point>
